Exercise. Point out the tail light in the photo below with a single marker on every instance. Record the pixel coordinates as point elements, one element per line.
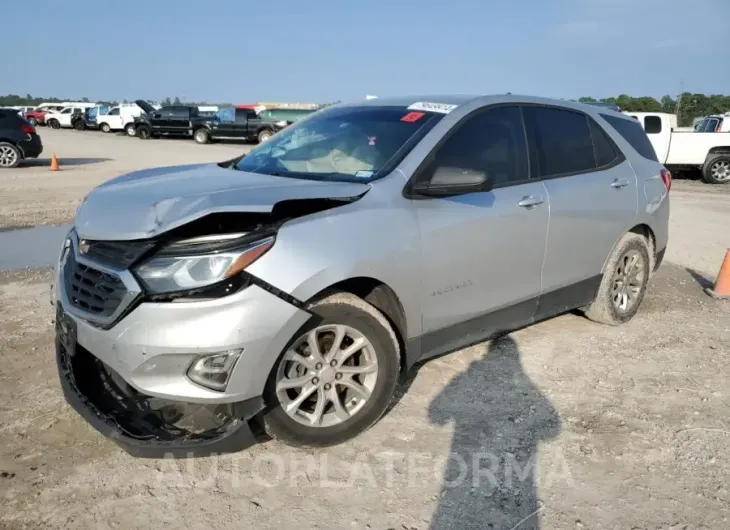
<point>667,179</point>
<point>719,126</point>
<point>27,128</point>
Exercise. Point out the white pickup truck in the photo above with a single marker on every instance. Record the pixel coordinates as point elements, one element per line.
<point>63,118</point>
<point>120,118</point>
<point>682,150</point>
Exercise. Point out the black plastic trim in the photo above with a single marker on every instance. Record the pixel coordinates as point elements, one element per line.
<point>510,318</point>
<point>238,438</point>
<point>659,258</point>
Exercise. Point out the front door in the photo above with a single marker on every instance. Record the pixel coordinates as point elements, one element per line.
<point>482,252</point>
<point>593,202</point>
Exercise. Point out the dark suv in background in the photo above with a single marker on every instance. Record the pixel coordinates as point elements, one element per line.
<point>18,139</point>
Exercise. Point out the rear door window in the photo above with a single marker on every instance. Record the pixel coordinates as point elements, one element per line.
<point>603,148</point>
<point>632,132</point>
<point>652,124</point>
<point>562,141</point>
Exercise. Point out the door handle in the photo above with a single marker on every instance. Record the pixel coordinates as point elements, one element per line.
<point>528,201</point>
<point>619,183</point>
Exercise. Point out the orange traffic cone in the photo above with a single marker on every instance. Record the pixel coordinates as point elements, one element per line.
<point>722,285</point>
<point>54,162</point>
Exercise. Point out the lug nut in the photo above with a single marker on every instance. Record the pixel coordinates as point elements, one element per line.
<point>338,375</point>
<point>318,366</point>
<point>315,380</point>
<point>327,386</point>
<point>333,363</point>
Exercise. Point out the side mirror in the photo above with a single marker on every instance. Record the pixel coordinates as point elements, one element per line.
<point>157,115</point>
<point>448,180</point>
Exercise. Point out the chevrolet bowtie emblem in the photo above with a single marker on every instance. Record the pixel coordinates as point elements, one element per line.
<point>83,246</point>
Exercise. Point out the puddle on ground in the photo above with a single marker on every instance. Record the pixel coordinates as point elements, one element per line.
<point>31,247</point>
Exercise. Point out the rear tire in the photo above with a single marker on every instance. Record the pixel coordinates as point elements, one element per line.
<point>374,367</point>
<point>10,156</point>
<point>624,282</point>
<point>130,129</point>
<point>717,169</point>
<point>144,133</point>
<point>201,136</point>
<point>54,124</point>
<point>105,128</point>
<point>33,121</point>
<point>80,125</point>
<point>265,135</point>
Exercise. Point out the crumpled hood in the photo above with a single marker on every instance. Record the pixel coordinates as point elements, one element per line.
<point>149,202</point>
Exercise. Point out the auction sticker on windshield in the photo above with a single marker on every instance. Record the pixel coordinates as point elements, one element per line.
<point>429,106</point>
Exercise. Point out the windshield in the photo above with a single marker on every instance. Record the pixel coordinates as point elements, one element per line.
<point>343,144</point>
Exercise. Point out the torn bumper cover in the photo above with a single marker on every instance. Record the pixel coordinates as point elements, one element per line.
<point>148,427</point>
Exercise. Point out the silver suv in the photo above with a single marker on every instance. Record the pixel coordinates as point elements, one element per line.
<point>291,287</point>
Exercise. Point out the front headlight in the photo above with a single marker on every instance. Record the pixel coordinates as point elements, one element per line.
<point>172,273</point>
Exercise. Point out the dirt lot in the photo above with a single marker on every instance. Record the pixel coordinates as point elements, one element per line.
<point>566,424</point>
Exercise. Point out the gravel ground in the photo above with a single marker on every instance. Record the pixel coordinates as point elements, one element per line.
<point>565,424</point>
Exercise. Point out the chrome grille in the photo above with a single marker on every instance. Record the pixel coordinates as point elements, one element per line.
<point>91,290</point>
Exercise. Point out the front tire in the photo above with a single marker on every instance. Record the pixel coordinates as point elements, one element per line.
<point>130,129</point>
<point>624,282</point>
<point>717,169</point>
<point>336,378</point>
<point>201,136</point>
<point>33,121</point>
<point>144,133</point>
<point>79,125</point>
<point>54,124</point>
<point>105,128</point>
<point>9,156</point>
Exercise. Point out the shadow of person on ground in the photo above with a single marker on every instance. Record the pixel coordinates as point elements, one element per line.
<point>46,162</point>
<point>499,417</point>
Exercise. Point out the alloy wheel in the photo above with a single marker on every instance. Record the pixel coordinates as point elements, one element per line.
<point>327,376</point>
<point>8,156</point>
<point>628,281</point>
<point>721,170</point>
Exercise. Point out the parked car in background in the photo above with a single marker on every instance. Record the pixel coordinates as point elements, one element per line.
<point>236,124</point>
<point>120,118</point>
<point>686,150</point>
<point>173,120</point>
<point>88,118</point>
<point>714,123</point>
<point>37,116</point>
<point>284,115</point>
<point>63,118</point>
<point>18,139</point>
<point>295,284</point>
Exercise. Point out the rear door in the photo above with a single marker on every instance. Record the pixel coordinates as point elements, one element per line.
<point>179,121</point>
<point>593,201</point>
<point>659,134</point>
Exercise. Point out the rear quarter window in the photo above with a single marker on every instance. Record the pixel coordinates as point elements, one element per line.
<point>631,131</point>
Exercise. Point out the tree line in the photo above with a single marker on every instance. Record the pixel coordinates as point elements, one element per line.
<point>687,105</point>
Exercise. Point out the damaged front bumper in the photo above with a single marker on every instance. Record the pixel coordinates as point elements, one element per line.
<point>148,427</point>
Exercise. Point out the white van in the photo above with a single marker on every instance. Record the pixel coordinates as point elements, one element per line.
<point>120,118</point>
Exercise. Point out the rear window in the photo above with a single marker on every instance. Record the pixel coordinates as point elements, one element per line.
<point>632,132</point>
